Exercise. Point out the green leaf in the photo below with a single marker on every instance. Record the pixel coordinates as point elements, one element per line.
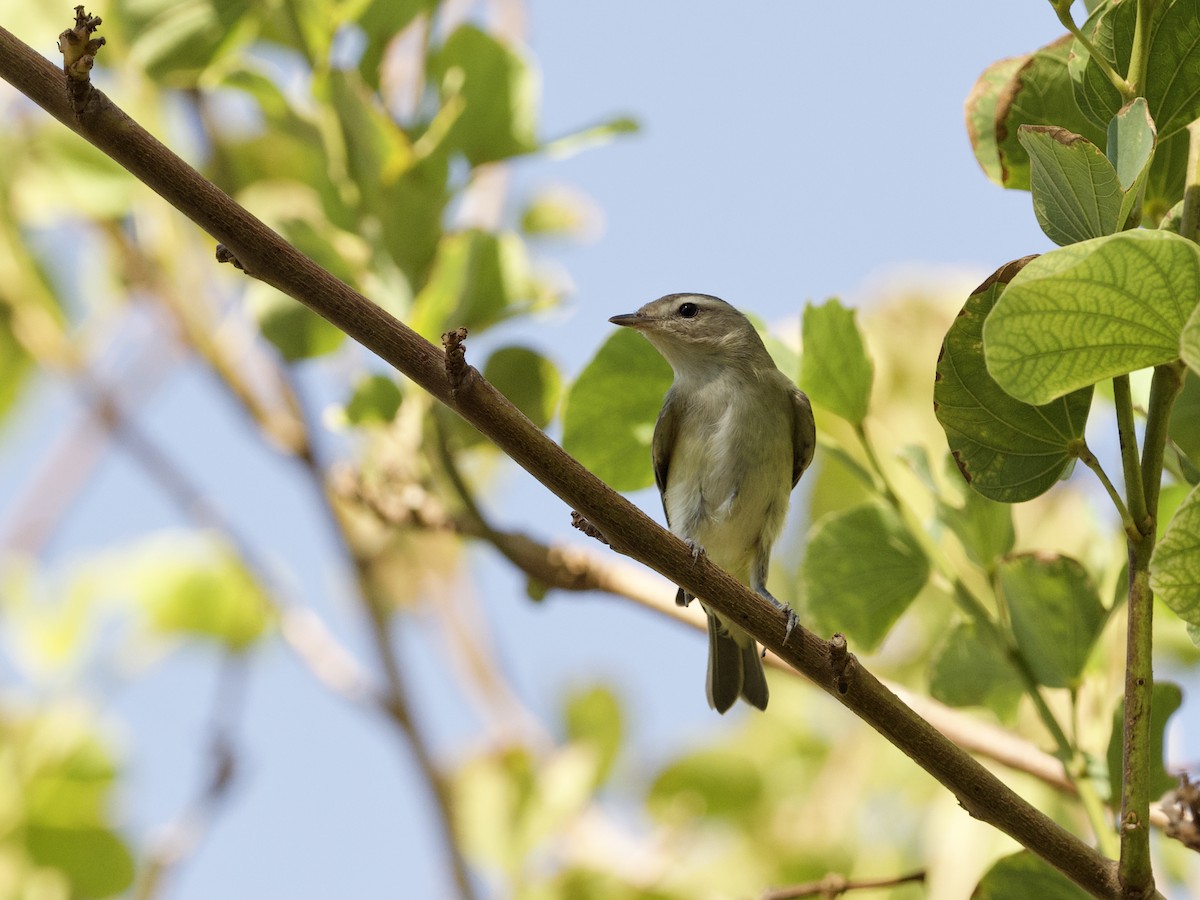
<point>1164,700</point>
<point>1022,876</point>
<point>611,409</point>
<point>500,91</point>
<point>560,212</point>
<point>1131,143</point>
<point>835,369</point>
<point>96,861</point>
<point>1056,614</point>
<point>296,331</point>
<point>57,785</point>
<point>176,40</point>
<point>376,149</point>
<point>1175,566</point>
<point>1185,417</point>
<point>1079,314</point>
<point>709,783</point>
<point>528,379</point>
<point>980,109</point>
<point>1172,85</point>
<point>381,21</point>
<point>1166,178</point>
<point>1038,93</point>
<point>968,669</point>
<point>375,400</point>
<point>15,364</point>
<point>1131,140</point>
<point>984,526</point>
<point>1189,341</point>
<point>478,279</point>
<point>199,591</point>
<point>590,137</point>
<point>1076,193</point>
<point>1007,450</point>
<point>593,716</point>
<point>861,570</point>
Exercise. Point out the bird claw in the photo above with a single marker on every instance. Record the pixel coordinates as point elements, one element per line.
<point>792,620</point>
<point>697,550</point>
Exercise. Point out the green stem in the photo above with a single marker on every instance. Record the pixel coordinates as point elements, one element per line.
<point>1063,11</point>
<point>1134,869</point>
<point>1134,490</point>
<point>1084,453</point>
<point>873,459</point>
<point>1139,56</point>
<point>1189,223</point>
<point>1164,388</point>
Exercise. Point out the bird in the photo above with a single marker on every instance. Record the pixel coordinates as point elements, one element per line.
<point>732,440</point>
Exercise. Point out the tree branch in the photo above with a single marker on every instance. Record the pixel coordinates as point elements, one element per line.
<point>267,256</point>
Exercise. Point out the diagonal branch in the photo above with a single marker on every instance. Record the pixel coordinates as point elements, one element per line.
<point>266,256</point>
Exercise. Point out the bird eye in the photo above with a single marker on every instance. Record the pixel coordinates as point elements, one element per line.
<point>688,310</point>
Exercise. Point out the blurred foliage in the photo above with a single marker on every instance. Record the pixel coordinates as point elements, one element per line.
<point>376,136</point>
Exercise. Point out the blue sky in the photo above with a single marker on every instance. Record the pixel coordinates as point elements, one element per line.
<point>792,152</point>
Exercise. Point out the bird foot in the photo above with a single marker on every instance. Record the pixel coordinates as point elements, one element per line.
<point>792,619</point>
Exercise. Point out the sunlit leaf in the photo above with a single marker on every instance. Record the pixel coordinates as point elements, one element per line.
<point>835,370</point>
<point>1091,311</point>
<point>1006,449</point>
<point>611,409</point>
<point>478,279</point>
<point>198,590</point>
<point>500,90</point>
<point>861,570</point>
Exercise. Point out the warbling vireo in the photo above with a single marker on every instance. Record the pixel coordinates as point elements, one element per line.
<point>732,440</point>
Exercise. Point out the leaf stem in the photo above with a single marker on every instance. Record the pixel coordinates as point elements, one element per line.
<point>1134,491</point>
<point>1063,11</point>
<point>1136,76</point>
<point>1084,453</point>
<point>1189,223</point>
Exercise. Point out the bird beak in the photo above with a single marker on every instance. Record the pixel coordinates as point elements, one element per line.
<point>630,320</point>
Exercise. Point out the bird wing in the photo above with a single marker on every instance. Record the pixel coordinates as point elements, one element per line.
<point>804,433</point>
<point>665,430</point>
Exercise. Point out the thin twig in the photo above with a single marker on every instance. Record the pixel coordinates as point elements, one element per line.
<point>833,886</point>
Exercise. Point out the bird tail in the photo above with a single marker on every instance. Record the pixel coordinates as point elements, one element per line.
<point>734,667</point>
